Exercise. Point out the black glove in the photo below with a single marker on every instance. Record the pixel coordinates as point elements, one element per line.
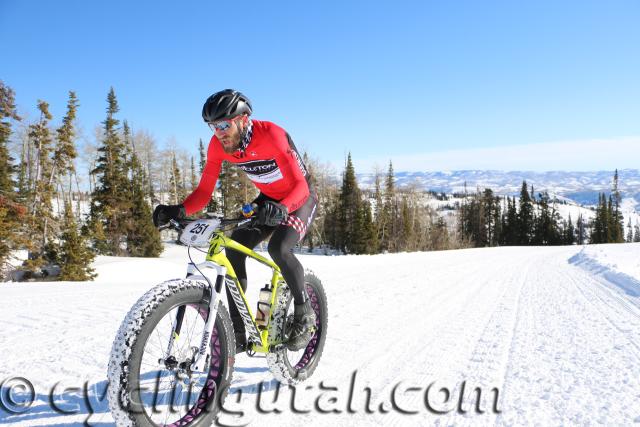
<point>272,213</point>
<point>164,213</point>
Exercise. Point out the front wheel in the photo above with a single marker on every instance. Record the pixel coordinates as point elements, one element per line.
<point>147,386</point>
<point>292,367</point>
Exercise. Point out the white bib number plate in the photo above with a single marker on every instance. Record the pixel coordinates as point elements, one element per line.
<point>199,232</point>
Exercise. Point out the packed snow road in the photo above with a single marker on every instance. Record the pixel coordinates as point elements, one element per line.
<point>506,336</point>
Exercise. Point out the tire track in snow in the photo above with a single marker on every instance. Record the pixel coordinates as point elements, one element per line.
<point>380,370</point>
<point>565,367</point>
<point>597,293</point>
<point>487,366</point>
<point>462,340</point>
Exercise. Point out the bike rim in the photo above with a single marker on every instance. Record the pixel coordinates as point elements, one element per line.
<point>175,399</point>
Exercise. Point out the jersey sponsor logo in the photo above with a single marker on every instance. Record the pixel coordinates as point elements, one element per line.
<point>294,151</point>
<point>303,169</point>
<point>262,171</point>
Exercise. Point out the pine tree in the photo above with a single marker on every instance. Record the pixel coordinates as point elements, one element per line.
<point>611,229</point>
<point>490,211</point>
<point>629,232</point>
<point>143,239</point>
<point>496,237</point>
<point>512,224</point>
<point>370,235</point>
<point>605,227</point>
<point>12,217</point>
<point>617,225</point>
<point>7,113</point>
<point>41,222</point>
<point>12,213</point>
<point>348,208</point>
<point>533,194</point>
<point>23,184</point>
<point>504,227</point>
<point>65,152</point>
<point>581,232</point>
<point>525,216</point>
<point>331,223</point>
<point>363,232</point>
<point>378,216</point>
<point>569,234</point>
<point>636,235</point>
<point>556,232</point>
<point>406,242</point>
<point>389,213</point>
<point>473,225</point>
<point>596,226</point>
<point>64,156</point>
<point>75,256</point>
<point>110,205</point>
<point>546,228</point>
<point>353,222</point>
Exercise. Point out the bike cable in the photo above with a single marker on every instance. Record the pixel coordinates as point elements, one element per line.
<point>194,264</point>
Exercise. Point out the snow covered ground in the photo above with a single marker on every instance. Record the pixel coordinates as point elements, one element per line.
<point>553,332</point>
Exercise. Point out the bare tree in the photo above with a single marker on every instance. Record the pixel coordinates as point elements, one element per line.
<point>150,158</point>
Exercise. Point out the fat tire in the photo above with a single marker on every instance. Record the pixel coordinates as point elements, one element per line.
<point>128,348</point>
<point>278,361</point>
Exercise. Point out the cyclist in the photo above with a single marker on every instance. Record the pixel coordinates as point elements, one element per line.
<point>286,204</point>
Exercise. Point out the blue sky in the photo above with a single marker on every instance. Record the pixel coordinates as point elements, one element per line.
<point>383,80</point>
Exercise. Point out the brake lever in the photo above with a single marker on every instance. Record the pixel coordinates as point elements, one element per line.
<point>171,224</point>
<point>175,224</point>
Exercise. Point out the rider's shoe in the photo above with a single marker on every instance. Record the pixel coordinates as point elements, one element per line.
<point>302,329</point>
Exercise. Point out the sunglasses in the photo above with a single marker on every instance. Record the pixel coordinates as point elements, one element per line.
<point>221,125</point>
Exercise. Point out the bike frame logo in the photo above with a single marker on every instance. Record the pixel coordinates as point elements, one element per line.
<point>244,313</point>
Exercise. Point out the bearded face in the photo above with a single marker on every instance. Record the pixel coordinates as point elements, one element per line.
<point>230,138</point>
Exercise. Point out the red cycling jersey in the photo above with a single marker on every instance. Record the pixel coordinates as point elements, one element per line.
<point>270,160</point>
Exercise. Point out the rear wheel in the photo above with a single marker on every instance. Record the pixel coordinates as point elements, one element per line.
<point>147,387</point>
<point>292,367</point>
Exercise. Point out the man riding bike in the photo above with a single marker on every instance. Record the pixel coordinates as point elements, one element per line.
<point>286,204</point>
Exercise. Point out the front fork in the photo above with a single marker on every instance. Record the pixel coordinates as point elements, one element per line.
<point>203,354</point>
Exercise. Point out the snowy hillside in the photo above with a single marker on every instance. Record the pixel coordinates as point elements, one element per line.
<point>555,330</point>
<point>569,209</point>
<point>580,187</point>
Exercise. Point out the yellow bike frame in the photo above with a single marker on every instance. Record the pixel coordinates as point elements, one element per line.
<point>216,255</point>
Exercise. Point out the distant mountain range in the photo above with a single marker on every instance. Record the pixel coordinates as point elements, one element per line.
<point>581,187</point>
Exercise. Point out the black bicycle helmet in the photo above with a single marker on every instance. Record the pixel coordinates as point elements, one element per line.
<point>224,105</point>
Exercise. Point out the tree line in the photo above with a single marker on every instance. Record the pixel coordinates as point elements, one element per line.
<point>37,195</point>
<point>44,210</point>
<point>385,219</point>
<point>488,220</point>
